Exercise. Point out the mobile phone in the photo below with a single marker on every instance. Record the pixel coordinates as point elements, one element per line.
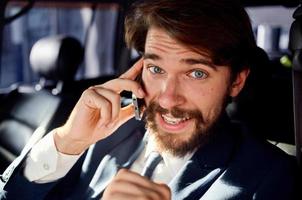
<point>139,104</point>
<point>137,107</point>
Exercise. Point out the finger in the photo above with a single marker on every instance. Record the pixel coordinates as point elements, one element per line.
<point>134,70</point>
<point>113,98</point>
<point>118,85</point>
<point>96,101</point>
<point>118,196</point>
<point>165,190</point>
<point>126,113</point>
<point>127,175</point>
<point>127,187</point>
<point>132,183</point>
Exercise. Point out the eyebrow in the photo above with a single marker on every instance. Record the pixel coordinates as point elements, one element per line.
<point>193,61</point>
<point>190,61</point>
<point>151,56</point>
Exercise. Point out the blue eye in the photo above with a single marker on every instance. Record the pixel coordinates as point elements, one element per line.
<point>198,74</point>
<point>156,70</point>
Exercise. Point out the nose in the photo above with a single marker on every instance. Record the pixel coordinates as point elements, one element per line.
<point>171,94</point>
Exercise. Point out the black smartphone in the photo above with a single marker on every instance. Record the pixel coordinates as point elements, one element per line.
<point>139,104</point>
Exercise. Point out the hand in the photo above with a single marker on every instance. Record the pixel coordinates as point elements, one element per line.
<point>98,113</point>
<point>130,185</point>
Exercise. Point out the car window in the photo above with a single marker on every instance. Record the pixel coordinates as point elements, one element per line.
<point>271,26</point>
<point>93,25</point>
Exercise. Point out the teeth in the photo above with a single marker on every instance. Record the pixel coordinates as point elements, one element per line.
<point>173,120</point>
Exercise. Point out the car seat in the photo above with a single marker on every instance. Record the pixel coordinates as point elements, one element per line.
<point>264,107</point>
<point>26,108</point>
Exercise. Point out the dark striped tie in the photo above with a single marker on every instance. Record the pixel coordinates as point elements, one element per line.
<point>153,159</point>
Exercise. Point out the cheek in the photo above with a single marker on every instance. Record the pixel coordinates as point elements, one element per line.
<point>200,97</point>
<point>206,98</point>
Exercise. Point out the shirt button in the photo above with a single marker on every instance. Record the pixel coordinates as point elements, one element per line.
<point>46,166</point>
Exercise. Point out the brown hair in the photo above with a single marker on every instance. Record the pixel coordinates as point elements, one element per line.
<point>219,29</point>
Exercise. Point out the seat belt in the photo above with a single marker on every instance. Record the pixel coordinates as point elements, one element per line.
<point>36,136</point>
<point>295,45</point>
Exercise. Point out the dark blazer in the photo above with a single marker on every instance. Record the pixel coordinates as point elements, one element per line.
<point>231,165</point>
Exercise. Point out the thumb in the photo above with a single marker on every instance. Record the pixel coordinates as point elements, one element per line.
<point>126,113</point>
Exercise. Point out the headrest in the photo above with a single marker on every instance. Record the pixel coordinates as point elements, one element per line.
<point>57,57</point>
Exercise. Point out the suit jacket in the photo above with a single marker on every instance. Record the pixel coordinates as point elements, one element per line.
<point>231,165</point>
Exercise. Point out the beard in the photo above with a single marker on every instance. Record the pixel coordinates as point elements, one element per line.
<point>182,144</point>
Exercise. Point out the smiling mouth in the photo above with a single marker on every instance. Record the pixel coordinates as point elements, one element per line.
<point>173,120</point>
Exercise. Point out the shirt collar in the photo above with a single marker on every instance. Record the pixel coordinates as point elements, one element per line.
<point>173,163</point>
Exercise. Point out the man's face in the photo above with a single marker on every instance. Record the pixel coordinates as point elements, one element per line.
<point>185,93</point>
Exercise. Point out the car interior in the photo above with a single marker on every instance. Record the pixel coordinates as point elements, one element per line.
<point>51,51</point>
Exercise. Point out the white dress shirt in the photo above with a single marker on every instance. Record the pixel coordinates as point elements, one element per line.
<point>166,169</point>
<point>45,164</point>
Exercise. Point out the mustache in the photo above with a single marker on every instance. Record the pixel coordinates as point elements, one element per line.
<point>175,112</point>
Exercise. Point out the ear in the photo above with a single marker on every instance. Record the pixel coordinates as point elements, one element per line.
<point>239,82</point>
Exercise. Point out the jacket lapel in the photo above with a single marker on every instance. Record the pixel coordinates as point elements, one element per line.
<point>206,165</point>
<point>104,159</point>
<point>191,182</point>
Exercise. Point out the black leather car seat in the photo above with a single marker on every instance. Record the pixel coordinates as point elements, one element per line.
<point>25,108</point>
<point>264,107</point>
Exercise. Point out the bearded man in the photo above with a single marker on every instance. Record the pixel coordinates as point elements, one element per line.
<point>195,57</point>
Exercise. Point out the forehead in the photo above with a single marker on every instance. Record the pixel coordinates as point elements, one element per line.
<point>157,40</point>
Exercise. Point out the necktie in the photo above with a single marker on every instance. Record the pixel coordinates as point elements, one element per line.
<point>151,163</point>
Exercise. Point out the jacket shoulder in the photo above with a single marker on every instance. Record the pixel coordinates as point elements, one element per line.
<point>263,170</point>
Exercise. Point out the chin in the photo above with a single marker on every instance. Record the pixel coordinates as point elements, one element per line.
<point>179,131</point>
<point>178,144</point>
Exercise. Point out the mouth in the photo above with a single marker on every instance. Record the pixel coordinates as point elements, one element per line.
<point>174,121</point>
<point>173,124</point>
